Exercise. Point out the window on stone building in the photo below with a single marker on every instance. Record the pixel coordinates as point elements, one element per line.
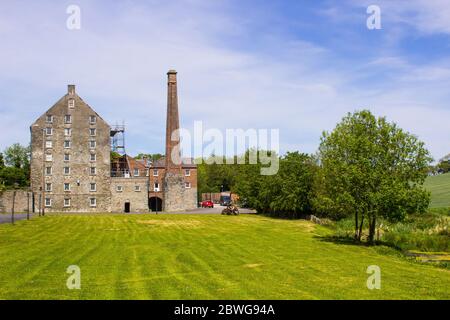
<point>48,187</point>
<point>92,131</point>
<point>187,173</point>
<point>93,187</point>
<point>187,185</point>
<point>49,119</point>
<point>48,171</point>
<point>93,157</point>
<point>67,118</point>
<point>66,186</point>
<point>92,144</point>
<point>49,144</point>
<point>92,119</point>
<point>71,103</point>
<point>66,202</point>
<point>66,157</point>
<point>156,187</point>
<point>155,173</point>
<point>119,188</point>
<point>137,188</point>
<point>48,157</point>
<point>49,131</point>
<point>93,171</point>
<point>147,172</point>
<point>136,172</point>
<point>66,170</point>
<point>67,132</point>
<point>93,202</point>
<point>67,144</point>
<point>48,202</point>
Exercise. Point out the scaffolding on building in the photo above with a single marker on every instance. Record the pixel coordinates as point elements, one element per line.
<point>119,165</point>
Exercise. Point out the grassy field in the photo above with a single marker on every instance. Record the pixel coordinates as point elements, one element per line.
<point>440,190</point>
<point>200,257</point>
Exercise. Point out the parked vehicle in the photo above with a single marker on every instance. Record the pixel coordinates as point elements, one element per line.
<point>207,204</point>
<point>225,200</point>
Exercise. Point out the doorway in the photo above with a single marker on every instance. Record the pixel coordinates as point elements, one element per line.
<point>127,207</point>
<point>155,204</point>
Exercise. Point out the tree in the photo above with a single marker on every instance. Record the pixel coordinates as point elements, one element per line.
<point>17,156</point>
<point>153,157</point>
<point>2,161</point>
<point>371,168</point>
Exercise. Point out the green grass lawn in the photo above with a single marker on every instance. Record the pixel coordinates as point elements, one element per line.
<point>440,190</point>
<point>200,257</point>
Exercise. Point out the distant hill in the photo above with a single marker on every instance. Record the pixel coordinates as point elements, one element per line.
<point>440,190</point>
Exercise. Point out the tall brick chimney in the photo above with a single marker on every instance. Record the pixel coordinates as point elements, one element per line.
<point>173,188</point>
<point>173,156</point>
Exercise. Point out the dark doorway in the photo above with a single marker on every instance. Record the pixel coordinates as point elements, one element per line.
<point>155,204</point>
<point>127,207</point>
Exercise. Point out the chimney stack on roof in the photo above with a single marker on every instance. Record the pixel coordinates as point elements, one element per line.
<point>71,89</point>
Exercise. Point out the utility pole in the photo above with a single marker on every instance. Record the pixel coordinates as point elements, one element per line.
<point>13,206</point>
<point>28,203</point>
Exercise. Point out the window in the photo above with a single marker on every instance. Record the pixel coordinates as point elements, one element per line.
<point>93,202</point>
<point>48,187</point>
<point>67,118</point>
<point>136,172</point>
<point>155,173</point>
<point>187,173</point>
<point>156,187</point>
<point>119,188</point>
<point>66,202</point>
<point>92,144</point>
<point>67,157</point>
<point>187,185</point>
<point>71,103</point>
<point>93,171</point>
<point>49,144</point>
<point>48,202</point>
<point>147,172</point>
<point>66,186</point>
<point>67,144</point>
<point>49,119</point>
<point>66,170</point>
<point>48,171</point>
<point>48,131</point>
<point>137,188</point>
<point>67,132</point>
<point>92,131</point>
<point>93,157</point>
<point>48,157</point>
<point>93,187</point>
<point>92,119</point>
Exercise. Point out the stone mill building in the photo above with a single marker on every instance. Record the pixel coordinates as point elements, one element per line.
<point>73,168</point>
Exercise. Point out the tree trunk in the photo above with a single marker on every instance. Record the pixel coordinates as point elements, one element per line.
<point>360,228</point>
<point>372,224</point>
<point>356,224</point>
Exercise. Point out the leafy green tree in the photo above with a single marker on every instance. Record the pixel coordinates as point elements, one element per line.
<point>12,177</point>
<point>17,156</point>
<point>151,156</point>
<point>2,161</point>
<point>371,168</point>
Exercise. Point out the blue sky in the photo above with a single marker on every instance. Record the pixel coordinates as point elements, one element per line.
<point>298,66</point>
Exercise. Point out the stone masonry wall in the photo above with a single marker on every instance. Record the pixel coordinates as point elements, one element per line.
<point>138,198</point>
<point>21,203</point>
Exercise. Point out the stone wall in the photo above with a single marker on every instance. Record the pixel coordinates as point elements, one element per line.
<point>133,191</point>
<point>23,201</point>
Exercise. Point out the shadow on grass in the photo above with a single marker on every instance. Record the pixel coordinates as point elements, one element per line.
<point>352,242</point>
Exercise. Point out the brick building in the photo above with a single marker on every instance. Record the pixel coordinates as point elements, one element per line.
<point>72,169</point>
